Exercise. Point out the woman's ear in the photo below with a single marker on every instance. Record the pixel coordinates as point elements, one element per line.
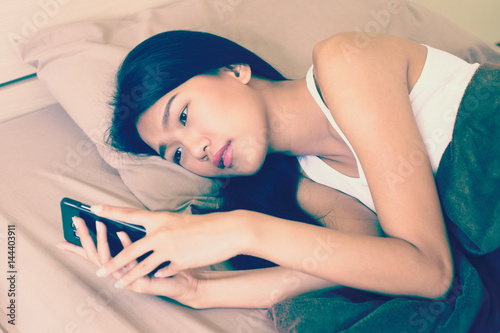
<point>242,72</point>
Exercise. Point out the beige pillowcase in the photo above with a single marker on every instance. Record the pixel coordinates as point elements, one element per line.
<point>78,63</point>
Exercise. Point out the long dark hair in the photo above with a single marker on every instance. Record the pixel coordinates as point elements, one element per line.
<point>167,60</point>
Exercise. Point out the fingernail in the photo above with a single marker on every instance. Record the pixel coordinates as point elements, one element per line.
<point>96,209</point>
<point>119,284</point>
<point>99,226</point>
<point>159,274</point>
<point>101,272</point>
<point>76,221</point>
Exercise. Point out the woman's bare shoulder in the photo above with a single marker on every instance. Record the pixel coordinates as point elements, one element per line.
<point>343,53</point>
<point>358,44</point>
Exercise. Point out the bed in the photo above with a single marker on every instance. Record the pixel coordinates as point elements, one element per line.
<point>56,80</point>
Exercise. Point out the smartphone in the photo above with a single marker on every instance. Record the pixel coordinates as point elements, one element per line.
<point>71,208</point>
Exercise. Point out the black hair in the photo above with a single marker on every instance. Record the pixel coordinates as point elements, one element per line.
<point>162,63</point>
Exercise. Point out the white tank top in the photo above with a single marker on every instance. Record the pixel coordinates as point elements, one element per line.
<point>435,99</point>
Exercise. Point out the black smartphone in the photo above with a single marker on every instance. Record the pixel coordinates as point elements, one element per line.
<point>71,208</point>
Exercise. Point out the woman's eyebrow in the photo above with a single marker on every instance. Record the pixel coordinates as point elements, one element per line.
<point>166,112</point>
<point>165,116</point>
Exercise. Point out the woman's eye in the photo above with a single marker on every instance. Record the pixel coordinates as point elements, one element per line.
<point>177,156</point>
<point>183,116</point>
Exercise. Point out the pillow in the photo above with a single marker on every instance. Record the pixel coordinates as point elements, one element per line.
<point>78,63</point>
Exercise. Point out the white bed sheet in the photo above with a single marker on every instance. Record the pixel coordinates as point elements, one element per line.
<point>44,157</point>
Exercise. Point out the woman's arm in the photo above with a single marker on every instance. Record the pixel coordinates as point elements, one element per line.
<point>261,288</point>
<point>385,265</point>
<point>365,86</point>
<point>257,288</point>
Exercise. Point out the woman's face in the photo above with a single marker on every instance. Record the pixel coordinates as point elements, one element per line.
<point>212,125</point>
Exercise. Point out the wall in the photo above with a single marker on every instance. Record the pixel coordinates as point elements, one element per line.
<point>479,16</point>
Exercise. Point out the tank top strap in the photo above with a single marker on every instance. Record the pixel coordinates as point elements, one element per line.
<point>313,89</point>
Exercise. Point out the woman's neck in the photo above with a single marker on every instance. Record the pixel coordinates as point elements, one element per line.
<point>296,125</point>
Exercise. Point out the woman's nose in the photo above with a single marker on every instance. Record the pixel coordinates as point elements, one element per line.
<point>197,145</point>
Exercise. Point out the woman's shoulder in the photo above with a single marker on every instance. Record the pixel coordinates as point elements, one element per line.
<point>355,48</point>
<point>380,57</point>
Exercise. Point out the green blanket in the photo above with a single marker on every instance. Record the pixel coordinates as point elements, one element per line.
<point>468,181</point>
<point>472,305</point>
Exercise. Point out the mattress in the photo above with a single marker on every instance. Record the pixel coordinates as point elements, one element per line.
<point>46,157</point>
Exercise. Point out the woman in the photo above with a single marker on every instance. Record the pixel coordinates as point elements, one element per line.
<point>363,121</point>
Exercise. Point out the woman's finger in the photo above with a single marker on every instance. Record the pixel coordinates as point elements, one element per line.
<point>156,286</point>
<point>75,249</point>
<point>171,270</point>
<point>102,243</point>
<point>124,238</point>
<point>163,272</point>
<point>140,217</point>
<point>127,255</point>
<point>103,247</point>
<point>169,287</point>
<point>138,271</point>
<point>126,241</point>
<point>86,240</point>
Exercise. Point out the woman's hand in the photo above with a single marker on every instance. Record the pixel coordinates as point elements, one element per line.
<point>184,287</point>
<point>88,250</point>
<point>186,241</point>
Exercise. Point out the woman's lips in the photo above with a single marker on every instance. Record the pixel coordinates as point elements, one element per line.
<point>227,158</point>
<point>224,156</point>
